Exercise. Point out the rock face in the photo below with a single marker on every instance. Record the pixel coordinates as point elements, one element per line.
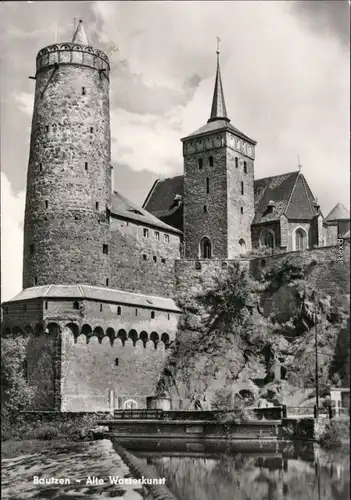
<point>252,341</point>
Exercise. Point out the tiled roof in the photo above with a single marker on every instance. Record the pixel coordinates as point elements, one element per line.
<point>339,212</point>
<point>220,125</point>
<point>122,207</point>
<point>289,192</point>
<point>96,293</point>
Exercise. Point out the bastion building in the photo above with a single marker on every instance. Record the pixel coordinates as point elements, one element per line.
<point>100,274</point>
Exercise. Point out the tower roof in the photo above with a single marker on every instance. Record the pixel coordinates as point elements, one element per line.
<point>218,110</point>
<point>339,212</point>
<point>79,35</point>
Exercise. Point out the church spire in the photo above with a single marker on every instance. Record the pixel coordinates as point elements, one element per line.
<point>79,34</point>
<point>218,111</point>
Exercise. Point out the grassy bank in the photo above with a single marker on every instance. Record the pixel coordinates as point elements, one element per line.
<point>14,448</point>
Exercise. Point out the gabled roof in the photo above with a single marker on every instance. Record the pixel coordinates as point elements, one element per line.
<point>95,293</point>
<point>339,212</point>
<point>289,192</point>
<point>121,207</point>
<point>291,196</point>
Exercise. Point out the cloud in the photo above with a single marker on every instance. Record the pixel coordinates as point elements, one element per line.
<point>25,102</point>
<point>12,211</point>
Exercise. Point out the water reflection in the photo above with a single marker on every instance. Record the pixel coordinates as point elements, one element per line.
<point>292,472</point>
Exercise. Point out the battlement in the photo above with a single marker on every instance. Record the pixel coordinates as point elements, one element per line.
<point>72,53</point>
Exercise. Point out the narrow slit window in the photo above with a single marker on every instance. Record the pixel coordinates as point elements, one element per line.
<point>236,162</point>
<point>100,307</point>
<point>83,91</point>
<point>207,185</point>
<point>40,167</point>
<point>97,205</point>
<point>210,161</point>
<point>116,362</point>
<point>91,130</point>
<point>136,312</point>
<point>75,305</point>
<point>152,314</point>
<point>107,281</point>
<point>46,204</point>
<point>46,305</point>
<point>205,209</point>
<point>105,249</point>
<point>47,128</point>
<point>200,163</point>
<point>242,187</point>
<point>245,167</point>
<point>154,258</point>
<point>119,311</point>
<point>144,256</point>
<point>86,165</point>
<point>241,210</point>
<point>35,281</point>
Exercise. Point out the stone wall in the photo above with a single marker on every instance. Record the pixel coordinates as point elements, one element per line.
<point>142,264</point>
<point>239,224</point>
<point>69,177</point>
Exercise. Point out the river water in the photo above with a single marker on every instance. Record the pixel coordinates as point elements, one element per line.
<point>250,472</point>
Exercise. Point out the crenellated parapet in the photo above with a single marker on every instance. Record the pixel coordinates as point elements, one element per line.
<point>72,53</point>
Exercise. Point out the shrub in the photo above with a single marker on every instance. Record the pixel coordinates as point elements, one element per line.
<point>335,432</point>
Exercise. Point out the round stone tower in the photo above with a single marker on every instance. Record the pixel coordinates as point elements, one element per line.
<point>69,173</point>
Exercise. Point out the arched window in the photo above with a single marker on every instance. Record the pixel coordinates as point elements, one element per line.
<point>130,404</point>
<point>267,239</point>
<point>242,245</point>
<point>205,248</point>
<point>300,239</point>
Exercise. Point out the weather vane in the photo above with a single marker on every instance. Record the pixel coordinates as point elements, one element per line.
<point>298,162</point>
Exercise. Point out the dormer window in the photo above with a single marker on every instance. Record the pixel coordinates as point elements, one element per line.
<point>270,206</point>
<point>177,199</point>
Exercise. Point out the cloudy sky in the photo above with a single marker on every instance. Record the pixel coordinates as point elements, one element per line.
<point>285,71</point>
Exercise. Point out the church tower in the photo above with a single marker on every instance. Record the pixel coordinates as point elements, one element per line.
<point>69,171</point>
<point>218,185</point>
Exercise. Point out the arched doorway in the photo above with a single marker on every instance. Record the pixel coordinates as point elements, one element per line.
<point>268,239</point>
<point>242,245</point>
<point>130,404</point>
<point>205,249</point>
<point>300,239</point>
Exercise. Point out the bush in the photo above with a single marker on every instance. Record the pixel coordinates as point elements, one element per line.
<point>335,432</point>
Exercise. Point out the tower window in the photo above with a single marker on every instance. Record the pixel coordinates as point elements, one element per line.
<point>40,167</point>
<point>205,209</point>
<point>157,235</point>
<point>35,281</point>
<point>100,307</point>
<point>236,162</point>
<point>119,311</point>
<point>86,165</point>
<point>75,305</point>
<point>168,316</point>
<point>210,161</point>
<point>207,185</point>
<point>144,256</point>
<point>200,162</point>
<point>154,258</point>
<point>47,128</point>
<point>245,167</point>
<point>145,232</point>
<point>116,361</point>
<point>83,91</point>
<point>31,249</point>
<point>91,130</point>
<point>205,248</point>
<point>152,314</point>
<point>241,210</point>
<point>97,205</point>
<point>136,312</point>
<point>242,187</point>
<point>166,238</point>
<point>105,249</point>
<point>163,260</point>
<point>46,203</point>
<point>107,281</point>
<point>46,305</point>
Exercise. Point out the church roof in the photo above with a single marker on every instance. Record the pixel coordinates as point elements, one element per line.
<point>79,35</point>
<point>220,125</point>
<point>289,193</point>
<point>122,207</point>
<point>339,212</point>
<point>96,293</point>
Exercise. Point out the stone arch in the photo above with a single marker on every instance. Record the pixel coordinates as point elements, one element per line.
<point>267,238</point>
<point>205,248</point>
<point>165,340</point>
<point>99,333</point>
<point>74,328</point>
<point>133,335</point>
<point>52,328</point>
<point>154,338</point>
<point>86,330</point>
<point>122,335</point>
<point>130,404</point>
<point>111,334</point>
<point>242,245</point>
<point>299,239</point>
<point>28,330</point>
<point>144,337</point>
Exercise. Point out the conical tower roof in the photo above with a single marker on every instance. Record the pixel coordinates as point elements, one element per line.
<point>79,35</point>
<point>339,212</point>
<point>218,110</point>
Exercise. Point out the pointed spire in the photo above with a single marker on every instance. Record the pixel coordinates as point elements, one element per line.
<point>218,111</point>
<point>79,34</point>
